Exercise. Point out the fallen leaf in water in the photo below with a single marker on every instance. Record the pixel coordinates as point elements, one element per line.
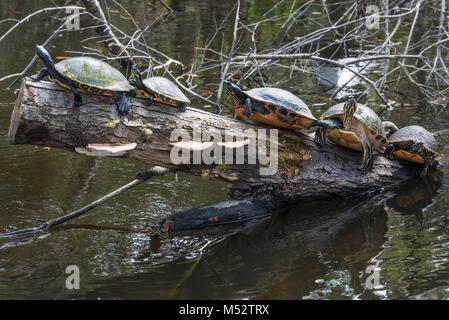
<point>47,148</point>
<point>114,11</point>
<point>316,12</point>
<point>62,58</point>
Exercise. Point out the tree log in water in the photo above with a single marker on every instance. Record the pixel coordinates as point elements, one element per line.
<point>43,116</point>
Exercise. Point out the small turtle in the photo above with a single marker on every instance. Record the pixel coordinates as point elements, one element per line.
<point>86,74</point>
<point>414,144</point>
<point>272,106</point>
<point>159,89</point>
<point>354,126</point>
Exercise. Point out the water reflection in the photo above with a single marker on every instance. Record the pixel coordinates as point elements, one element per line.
<point>293,255</point>
<point>414,196</point>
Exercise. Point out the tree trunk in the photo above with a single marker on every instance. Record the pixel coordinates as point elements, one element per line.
<point>43,116</point>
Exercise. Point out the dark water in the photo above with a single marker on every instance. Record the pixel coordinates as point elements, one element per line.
<point>314,251</point>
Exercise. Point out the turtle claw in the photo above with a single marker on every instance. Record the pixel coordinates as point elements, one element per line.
<point>182,107</point>
<point>123,110</point>
<point>77,104</point>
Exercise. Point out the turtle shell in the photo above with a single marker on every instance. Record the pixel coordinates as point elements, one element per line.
<point>93,73</point>
<point>281,98</point>
<point>363,113</point>
<point>416,134</point>
<point>165,87</point>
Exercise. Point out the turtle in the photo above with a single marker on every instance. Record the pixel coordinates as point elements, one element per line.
<point>272,106</point>
<point>159,89</point>
<point>414,144</point>
<point>86,74</point>
<point>390,128</point>
<point>355,126</point>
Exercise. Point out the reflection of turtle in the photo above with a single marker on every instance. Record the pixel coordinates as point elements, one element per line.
<point>355,126</point>
<point>414,144</point>
<point>272,106</point>
<point>159,89</point>
<point>88,74</point>
<point>414,195</point>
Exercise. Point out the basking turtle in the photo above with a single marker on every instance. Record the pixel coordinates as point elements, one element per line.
<point>159,89</point>
<point>414,144</point>
<point>89,75</point>
<point>272,106</point>
<point>354,126</point>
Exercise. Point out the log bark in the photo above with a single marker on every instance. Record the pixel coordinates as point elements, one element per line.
<point>43,116</point>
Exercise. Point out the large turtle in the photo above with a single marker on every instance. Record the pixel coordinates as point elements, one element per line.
<point>159,89</point>
<point>272,106</point>
<point>414,144</point>
<point>354,126</point>
<point>86,74</point>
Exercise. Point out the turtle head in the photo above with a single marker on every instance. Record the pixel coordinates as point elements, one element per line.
<point>136,73</point>
<point>348,112</point>
<point>44,55</point>
<point>137,81</point>
<point>235,92</point>
<point>417,148</point>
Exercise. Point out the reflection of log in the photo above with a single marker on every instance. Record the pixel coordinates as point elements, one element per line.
<point>279,258</point>
<point>43,116</point>
<point>233,211</point>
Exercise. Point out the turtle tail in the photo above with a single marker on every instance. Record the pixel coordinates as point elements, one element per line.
<point>329,123</point>
<point>122,103</point>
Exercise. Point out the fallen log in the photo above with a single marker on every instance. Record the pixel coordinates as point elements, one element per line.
<point>43,115</point>
<point>232,211</point>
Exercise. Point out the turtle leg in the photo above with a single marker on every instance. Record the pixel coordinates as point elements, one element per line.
<point>40,75</point>
<point>427,164</point>
<point>182,107</point>
<point>151,98</point>
<point>368,158</point>
<point>248,107</point>
<point>434,166</point>
<point>320,136</point>
<point>78,101</point>
<point>389,152</point>
<point>122,103</point>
